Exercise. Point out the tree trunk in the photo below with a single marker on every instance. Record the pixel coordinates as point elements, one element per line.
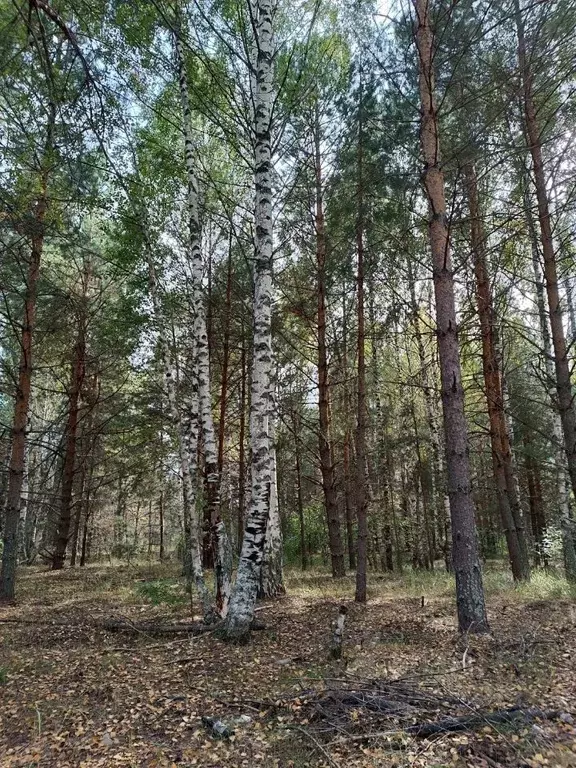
<point>508,502</point>
<point>161,524</point>
<point>242,448</point>
<point>561,361</point>
<point>77,379</point>
<point>537,515</point>
<point>23,387</point>
<point>225,360</point>
<point>466,562</point>
<point>271,573</point>
<point>187,430</point>
<point>79,495</point>
<point>348,505</point>
<point>326,452</point>
<point>361,419</point>
<point>303,548</point>
<point>437,482</point>
<point>243,600</point>
<point>201,366</point>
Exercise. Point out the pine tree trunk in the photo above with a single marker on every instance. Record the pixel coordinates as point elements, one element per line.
<point>16,466</point>
<point>537,515</point>
<point>326,452</point>
<point>348,505</point>
<point>77,379</point>
<point>466,562</point>
<point>300,497</point>
<point>242,603</point>
<point>561,361</point>
<point>437,481</point>
<point>499,439</point>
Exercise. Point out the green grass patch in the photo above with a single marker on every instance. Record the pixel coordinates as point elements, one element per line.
<point>3,675</point>
<point>162,592</point>
<point>317,583</point>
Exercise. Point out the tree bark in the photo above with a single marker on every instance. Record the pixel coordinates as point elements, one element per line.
<point>300,497</point>
<point>361,418</point>
<point>187,430</point>
<point>555,315</point>
<point>69,469</point>
<point>271,572</point>
<point>325,447</point>
<point>466,562</point>
<point>242,448</point>
<point>437,481</point>
<point>242,603</point>
<point>23,388</point>
<point>201,362</point>
<point>508,502</point>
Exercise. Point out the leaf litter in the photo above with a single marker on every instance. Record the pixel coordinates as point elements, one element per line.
<point>73,694</point>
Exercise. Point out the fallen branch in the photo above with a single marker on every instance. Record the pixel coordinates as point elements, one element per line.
<point>480,719</point>
<point>153,628</point>
<point>141,627</point>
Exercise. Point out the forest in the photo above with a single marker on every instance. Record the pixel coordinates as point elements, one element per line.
<point>287,418</point>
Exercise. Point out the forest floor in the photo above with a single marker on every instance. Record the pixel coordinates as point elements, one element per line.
<point>74,694</point>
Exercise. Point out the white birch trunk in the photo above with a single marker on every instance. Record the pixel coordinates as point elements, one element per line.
<point>202,351</point>
<point>244,595</point>
<point>271,574</point>
<point>187,427</point>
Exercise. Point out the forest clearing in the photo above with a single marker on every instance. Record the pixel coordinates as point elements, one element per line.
<point>76,695</point>
<point>287,383</point>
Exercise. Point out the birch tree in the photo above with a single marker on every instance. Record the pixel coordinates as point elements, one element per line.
<point>245,589</point>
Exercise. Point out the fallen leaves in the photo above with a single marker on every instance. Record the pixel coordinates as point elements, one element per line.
<point>77,696</point>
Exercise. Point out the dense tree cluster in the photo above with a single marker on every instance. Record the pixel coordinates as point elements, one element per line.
<point>288,281</point>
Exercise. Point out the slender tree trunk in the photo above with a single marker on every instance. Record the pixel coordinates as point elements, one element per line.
<point>23,388</point>
<point>187,430</point>
<point>245,590</point>
<point>303,548</point>
<point>161,524</point>
<point>437,483</point>
<point>326,452</point>
<point>469,587</point>
<point>562,483</point>
<point>348,505</point>
<point>428,521</point>
<point>225,360</point>
<point>508,502</point>
<point>201,367</point>
<point>271,573</point>
<point>537,516</point>
<point>561,361</point>
<point>571,310</point>
<point>77,379</point>
<point>79,496</point>
<point>348,447</point>
<point>361,490</point>
<point>242,449</point>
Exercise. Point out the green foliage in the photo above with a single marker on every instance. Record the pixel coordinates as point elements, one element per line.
<point>162,592</point>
